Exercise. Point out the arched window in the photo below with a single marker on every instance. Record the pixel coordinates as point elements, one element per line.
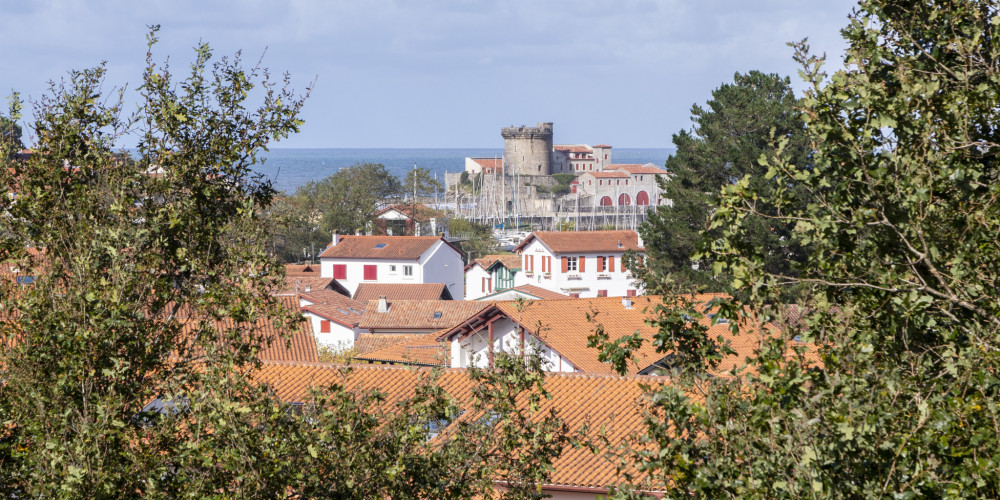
<point>642,198</point>
<point>606,201</point>
<point>624,199</point>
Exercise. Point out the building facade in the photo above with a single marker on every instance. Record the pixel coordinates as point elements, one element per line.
<point>581,263</point>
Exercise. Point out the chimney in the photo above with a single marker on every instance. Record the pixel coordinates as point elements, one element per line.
<point>383,306</point>
<point>335,239</point>
<point>619,243</point>
<point>627,303</point>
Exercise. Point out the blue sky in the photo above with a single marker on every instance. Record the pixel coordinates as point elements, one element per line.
<point>443,73</point>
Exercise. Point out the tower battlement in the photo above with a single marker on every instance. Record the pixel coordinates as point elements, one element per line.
<point>542,131</point>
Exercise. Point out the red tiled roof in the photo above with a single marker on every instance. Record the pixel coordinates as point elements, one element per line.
<point>422,212</point>
<point>511,261</point>
<point>541,293</point>
<point>334,306</point>
<point>602,146</point>
<point>297,284</point>
<point>611,403</point>
<point>369,342</point>
<point>584,241</point>
<point>402,291</point>
<point>301,270</point>
<point>493,163</point>
<point>381,247</point>
<point>418,314</point>
<point>573,148</point>
<point>631,168</point>
<point>563,326</point>
<point>424,350</point>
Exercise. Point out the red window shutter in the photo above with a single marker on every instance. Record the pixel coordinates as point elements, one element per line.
<point>482,283</point>
<point>531,263</point>
<point>543,263</point>
<point>371,272</point>
<point>602,293</point>
<point>324,326</point>
<point>611,264</point>
<point>581,261</point>
<point>630,293</point>
<point>489,285</point>
<point>565,266</point>
<point>340,271</point>
<point>623,265</point>
<point>574,296</point>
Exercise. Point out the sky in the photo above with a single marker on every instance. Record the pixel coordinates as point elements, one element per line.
<point>442,73</point>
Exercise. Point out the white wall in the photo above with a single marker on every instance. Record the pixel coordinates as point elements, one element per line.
<point>443,264</point>
<point>474,349</point>
<point>339,337</point>
<point>474,283</point>
<point>589,282</point>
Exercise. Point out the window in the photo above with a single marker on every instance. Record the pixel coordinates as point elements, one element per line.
<point>380,245</point>
<point>324,326</point>
<point>408,271</point>
<point>602,264</point>
<point>602,293</point>
<point>371,272</point>
<point>571,263</point>
<point>340,271</point>
<point>392,268</point>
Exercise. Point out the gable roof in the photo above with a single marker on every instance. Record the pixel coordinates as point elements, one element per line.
<point>511,261</point>
<point>416,211</point>
<point>608,402</point>
<point>584,241</point>
<point>421,350</point>
<point>334,306</point>
<point>491,163</point>
<point>370,342</point>
<point>382,247</point>
<point>613,174</point>
<point>573,148</point>
<point>402,291</point>
<point>301,270</point>
<point>429,315</point>
<point>563,326</point>
<point>297,284</point>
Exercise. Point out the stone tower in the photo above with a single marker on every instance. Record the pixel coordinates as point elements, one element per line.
<point>528,150</point>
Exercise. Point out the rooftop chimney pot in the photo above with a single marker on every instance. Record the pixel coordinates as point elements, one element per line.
<point>383,306</point>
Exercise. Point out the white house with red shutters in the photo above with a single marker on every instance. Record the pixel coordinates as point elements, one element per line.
<point>581,263</point>
<point>353,260</point>
<point>333,317</point>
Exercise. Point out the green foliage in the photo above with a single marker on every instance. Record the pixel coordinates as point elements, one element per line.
<point>343,202</point>
<point>148,275</point>
<point>566,225</point>
<point>10,131</point>
<point>419,179</point>
<point>899,282</point>
<point>479,240</point>
<point>727,140</point>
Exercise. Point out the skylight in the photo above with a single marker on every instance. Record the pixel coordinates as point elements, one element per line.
<point>437,314</point>
<point>380,245</point>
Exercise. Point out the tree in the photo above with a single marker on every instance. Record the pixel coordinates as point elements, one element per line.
<point>478,238</point>
<point>10,131</point>
<point>343,202</point>
<point>130,359</point>
<point>901,302</point>
<point>727,140</point>
<point>419,182</point>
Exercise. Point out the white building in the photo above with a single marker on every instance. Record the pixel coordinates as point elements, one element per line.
<point>580,263</point>
<point>353,260</point>
<point>334,318</point>
<point>491,274</point>
<point>622,185</point>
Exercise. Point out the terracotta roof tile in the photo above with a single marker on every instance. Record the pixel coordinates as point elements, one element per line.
<point>584,241</point>
<point>297,284</point>
<point>402,291</point>
<point>422,212</point>
<point>633,168</point>
<point>602,146</point>
<point>334,306</point>
<point>302,270</point>
<point>510,261</point>
<point>573,148</point>
<point>430,315</point>
<point>532,290</point>
<point>369,342</point>
<point>423,350</point>
<point>381,247</point>
<point>492,163</point>
<point>613,174</point>
<point>607,402</point>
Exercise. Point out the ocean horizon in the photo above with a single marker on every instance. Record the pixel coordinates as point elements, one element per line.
<point>291,168</point>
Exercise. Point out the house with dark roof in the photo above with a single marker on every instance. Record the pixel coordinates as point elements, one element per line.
<point>353,260</point>
<point>580,263</point>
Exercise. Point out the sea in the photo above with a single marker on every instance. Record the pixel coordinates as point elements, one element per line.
<point>290,168</point>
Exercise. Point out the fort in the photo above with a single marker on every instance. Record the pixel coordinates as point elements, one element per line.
<point>548,184</point>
